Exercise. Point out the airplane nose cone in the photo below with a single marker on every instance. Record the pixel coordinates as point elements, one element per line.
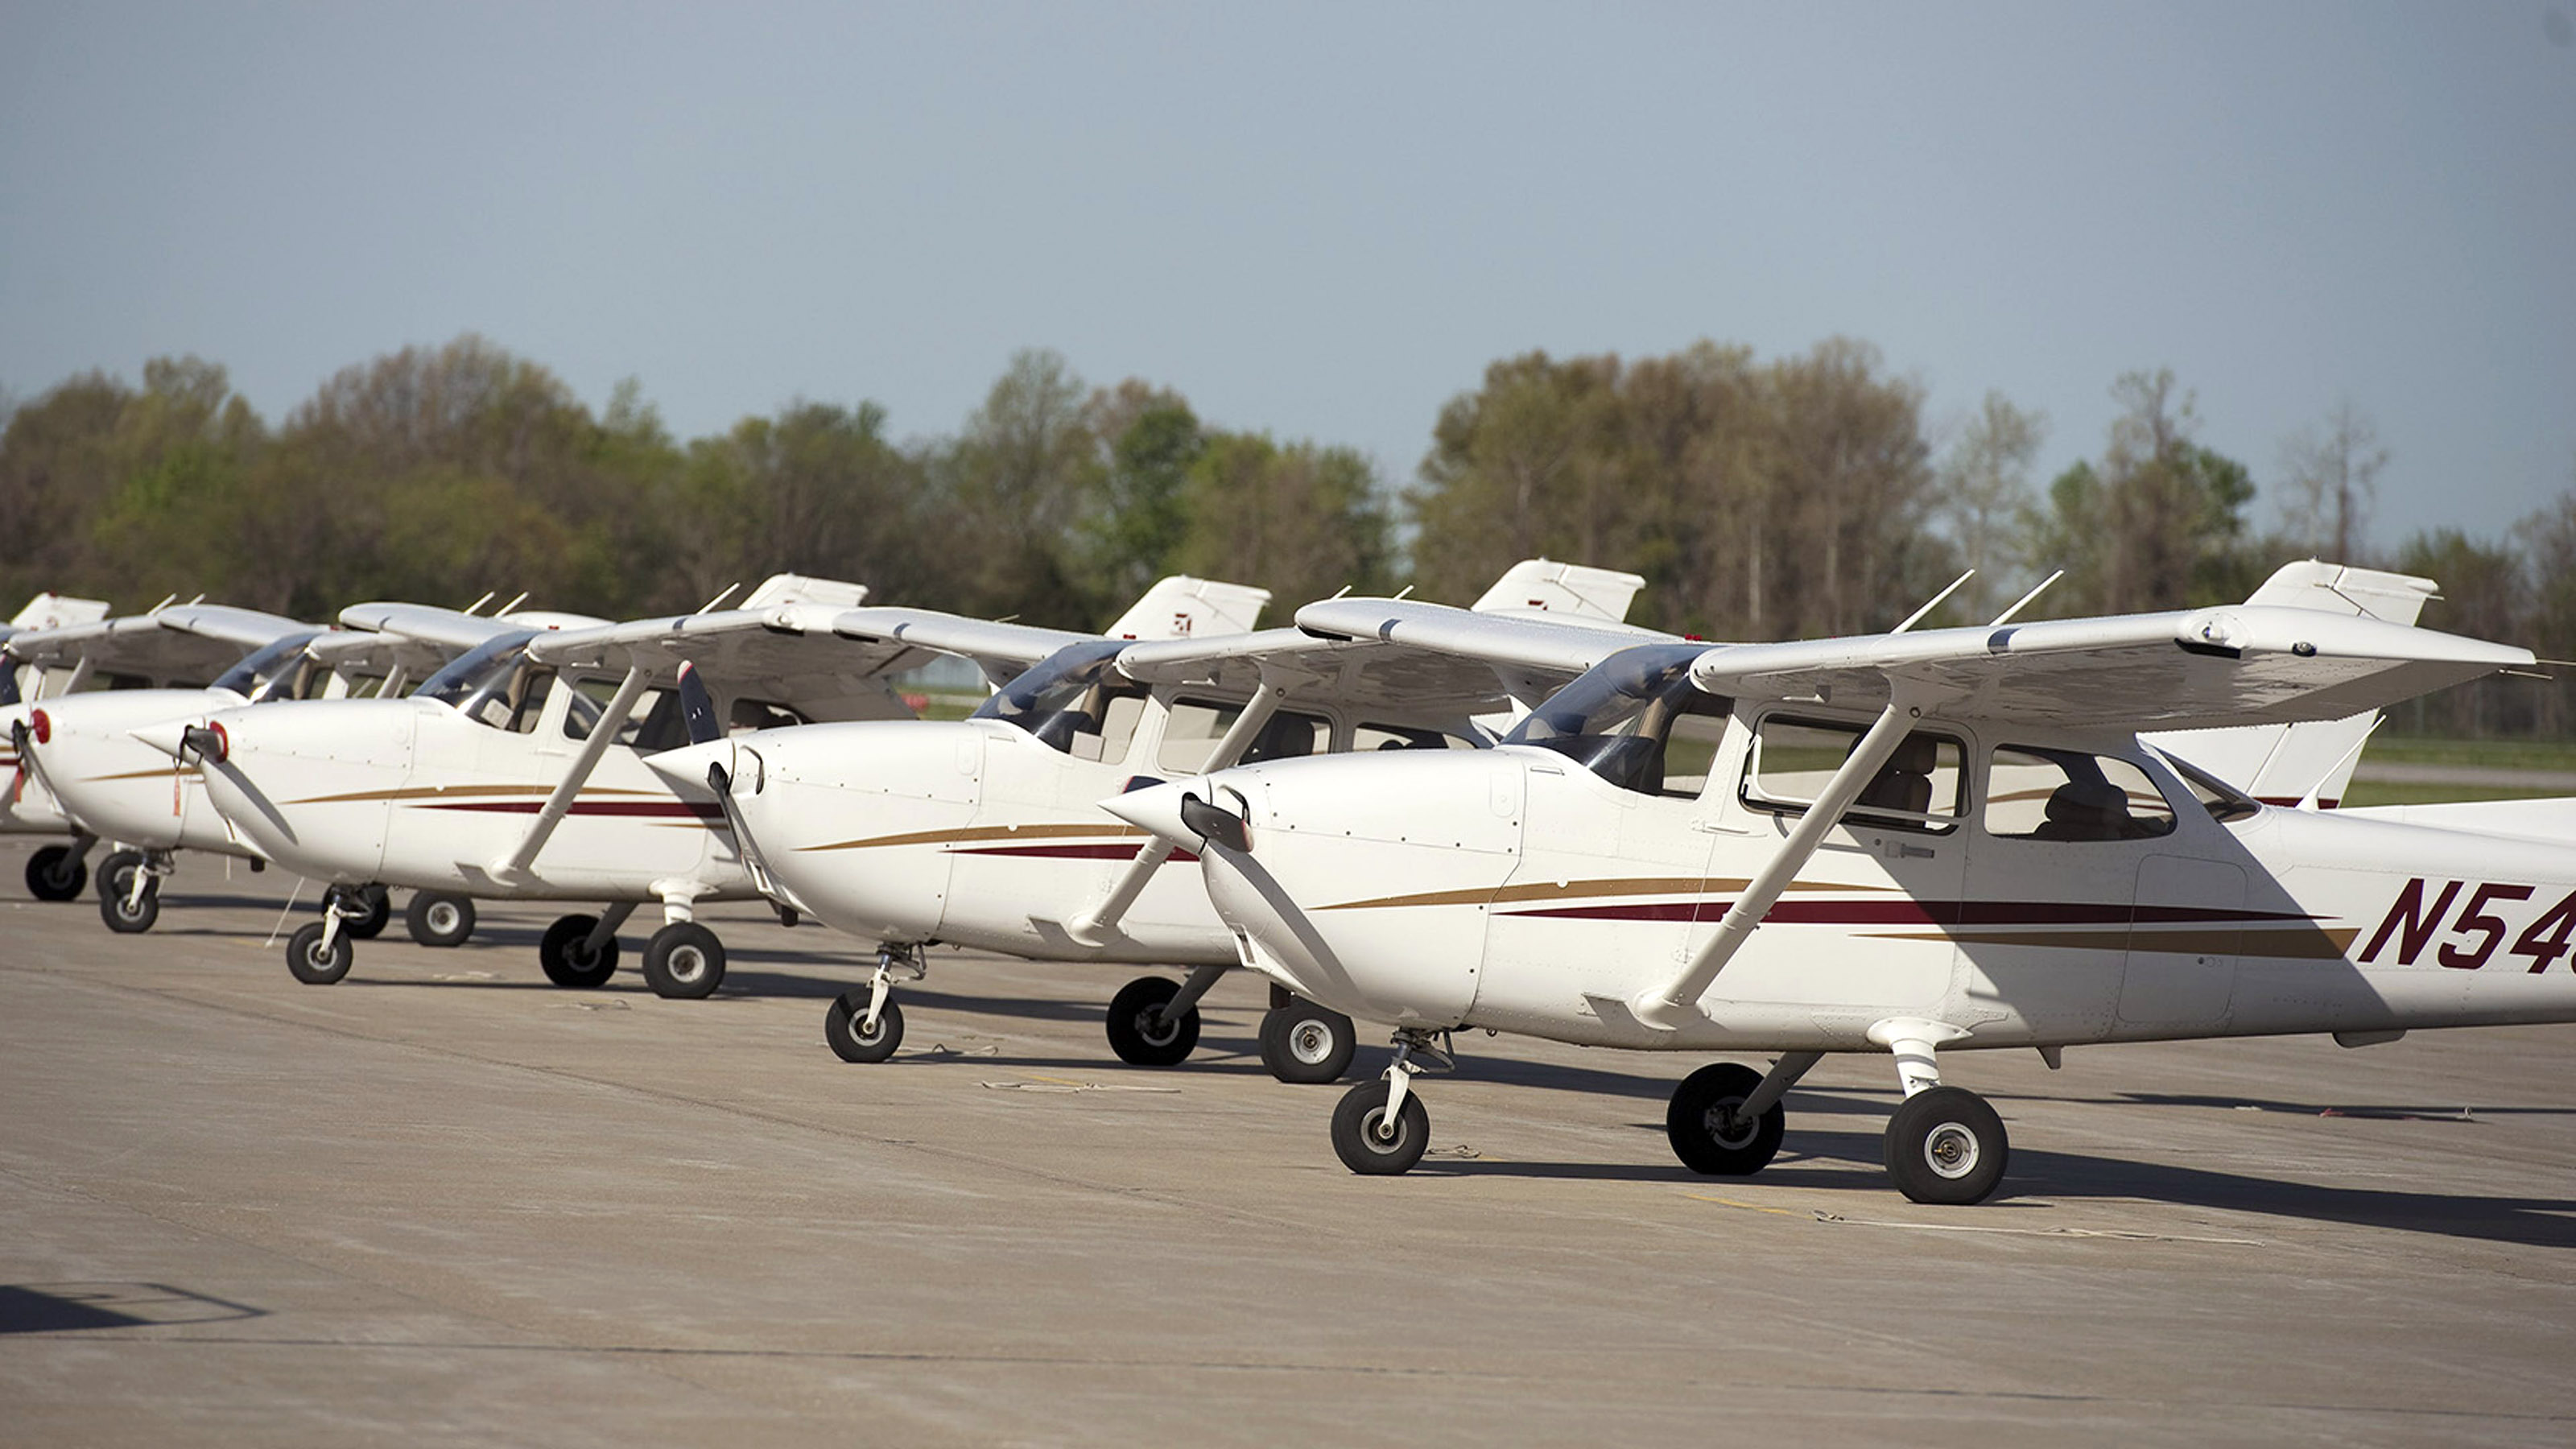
<point>168,736</point>
<point>688,764</point>
<point>1156,809</point>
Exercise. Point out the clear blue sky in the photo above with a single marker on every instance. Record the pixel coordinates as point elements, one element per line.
<point>1326,220</point>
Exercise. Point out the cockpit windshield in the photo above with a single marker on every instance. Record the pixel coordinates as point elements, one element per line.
<point>272,672</point>
<point>1071,699</point>
<point>1635,720</point>
<point>485,684</point>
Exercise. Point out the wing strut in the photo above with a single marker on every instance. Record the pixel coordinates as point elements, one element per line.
<point>1093,926</point>
<point>1676,1003</point>
<point>601,737</point>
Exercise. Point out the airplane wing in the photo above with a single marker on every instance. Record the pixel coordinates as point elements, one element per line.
<point>186,643</point>
<point>2237,664</point>
<point>909,637</point>
<point>419,639</point>
<point>786,652</point>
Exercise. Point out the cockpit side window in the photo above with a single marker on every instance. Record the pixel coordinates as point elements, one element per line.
<point>1193,729</point>
<point>1075,701</point>
<point>1636,720</point>
<point>2224,802</point>
<point>2034,793</point>
<point>1921,787</point>
<point>494,685</point>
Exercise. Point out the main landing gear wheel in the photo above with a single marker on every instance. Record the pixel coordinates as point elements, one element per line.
<point>1139,1031</point>
<point>439,920</point>
<point>125,912</point>
<point>1302,1042</point>
<point>311,964</point>
<point>1707,1132</point>
<point>373,906</point>
<point>845,1027</point>
<point>1945,1145</point>
<point>568,961</point>
<point>56,873</point>
<point>1367,1143</point>
<point>684,961</point>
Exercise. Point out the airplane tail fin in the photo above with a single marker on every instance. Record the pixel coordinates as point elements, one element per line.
<point>804,589</point>
<point>2293,764</point>
<point>52,611</point>
<point>1543,586</point>
<point>1181,607</point>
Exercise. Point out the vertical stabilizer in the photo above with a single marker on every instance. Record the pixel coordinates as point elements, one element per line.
<point>1181,607</point>
<point>2286,764</point>
<point>804,589</point>
<point>1542,586</point>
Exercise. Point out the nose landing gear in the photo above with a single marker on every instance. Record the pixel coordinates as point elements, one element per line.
<point>1379,1131</point>
<point>129,890</point>
<point>866,1026</point>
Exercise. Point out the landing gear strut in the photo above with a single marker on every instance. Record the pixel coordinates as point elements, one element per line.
<point>1379,1131</point>
<point>1154,1021</point>
<point>129,890</point>
<point>866,1026</point>
<point>580,952</point>
<point>319,953</point>
<point>1944,1144</point>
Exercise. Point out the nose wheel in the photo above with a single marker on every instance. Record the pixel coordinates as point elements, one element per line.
<point>1381,1128</point>
<point>866,1026</point>
<point>320,952</point>
<point>129,892</point>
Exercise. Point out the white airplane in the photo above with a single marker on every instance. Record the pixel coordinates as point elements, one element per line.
<point>1903,843</point>
<point>518,772</point>
<point>88,656</point>
<point>116,787</point>
<point>54,872</point>
<point>985,833</point>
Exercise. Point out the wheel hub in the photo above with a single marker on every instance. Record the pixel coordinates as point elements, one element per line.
<point>687,963</point>
<point>1728,1128</point>
<point>1951,1150</point>
<point>1311,1042</point>
<point>442,918</point>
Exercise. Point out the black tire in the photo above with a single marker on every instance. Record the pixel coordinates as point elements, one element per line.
<point>1140,1033</point>
<point>841,1028</point>
<point>1304,1043</point>
<point>1707,1135</point>
<point>56,873</point>
<point>115,886</point>
<point>684,961</point>
<point>375,907</point>
<point>438,920</point>
<point>566,964</point>
<point>304,955</point>
<point>1945,1145</point>
<point>1358,1142</point>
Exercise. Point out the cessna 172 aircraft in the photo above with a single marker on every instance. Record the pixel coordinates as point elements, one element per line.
<point>55,872</point>
<point>517,772</point>
<point>118,788</point>
<point>986,832</point>
<point>179,647</point>
<point>1902,843</point>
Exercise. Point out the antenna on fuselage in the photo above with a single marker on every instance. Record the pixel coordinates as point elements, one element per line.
<point>514,603</point>
<point>1917,616</point>
<point>2024,600</point>
<point>479,603</point>
<point>709,606</point>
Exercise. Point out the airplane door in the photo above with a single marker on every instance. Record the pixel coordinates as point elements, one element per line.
<point>2181,964</point>
<point>1862,933</point>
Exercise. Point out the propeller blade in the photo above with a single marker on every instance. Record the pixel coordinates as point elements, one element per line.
<point>697,706</point>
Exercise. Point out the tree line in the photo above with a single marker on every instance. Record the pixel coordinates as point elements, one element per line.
<point>1761,498</point>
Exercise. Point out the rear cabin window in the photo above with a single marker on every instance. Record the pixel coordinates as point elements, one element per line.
<point>1921,787</point>
<point>1407,737</point>
<point>1195,727</point>
<point>759,714</point>
<point>2043,794</point>
<point>1074,700</point>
